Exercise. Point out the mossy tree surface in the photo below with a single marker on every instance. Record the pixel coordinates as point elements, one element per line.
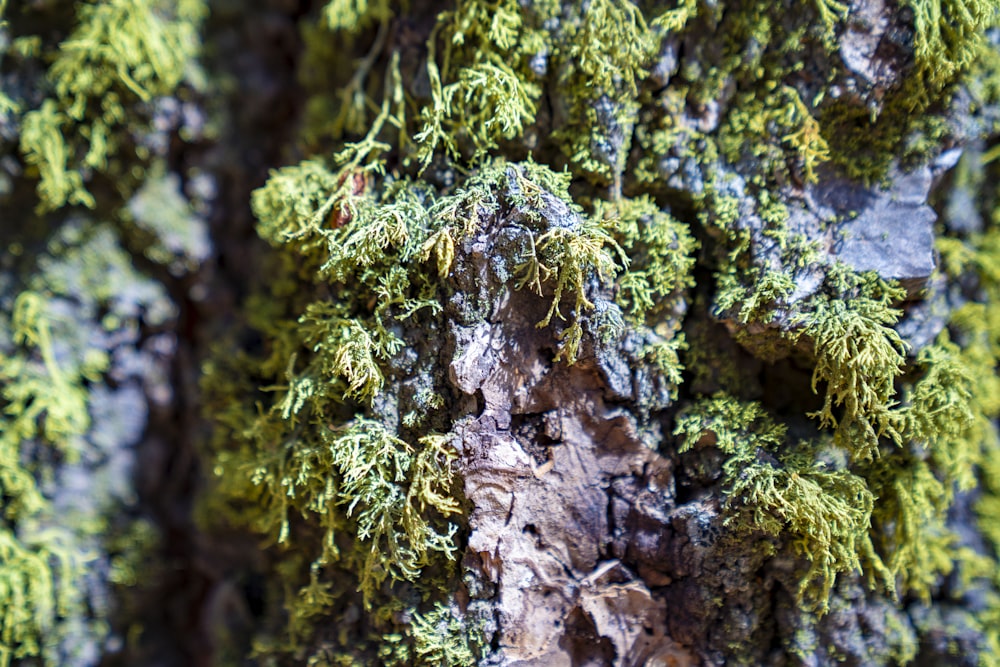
<point>86,337</point>
<point>614,331</point>
<point>592,155</point>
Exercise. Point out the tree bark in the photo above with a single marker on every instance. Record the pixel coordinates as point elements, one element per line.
<point>499,333</point>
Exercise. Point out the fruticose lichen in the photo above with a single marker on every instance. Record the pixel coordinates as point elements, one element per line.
<point>640,233</point>
<point>603,156</point>
<point>82,332</point>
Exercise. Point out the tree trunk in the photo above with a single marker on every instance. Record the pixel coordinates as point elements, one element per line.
<point>499,333</point>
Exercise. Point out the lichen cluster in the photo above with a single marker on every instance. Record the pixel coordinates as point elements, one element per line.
<point>78,319</point>
<point>651,173</point>
<point>407,164</point>
<point>370,231</point>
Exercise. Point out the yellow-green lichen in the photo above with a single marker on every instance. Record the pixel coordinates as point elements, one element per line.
<point>355,497</point>
<point>858,356</point>
<point>119,52</point>
<point>370,253</point>
<point>782,490</point>
<point>53,364</point>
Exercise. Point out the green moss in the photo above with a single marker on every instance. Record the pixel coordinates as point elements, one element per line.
<point>356,15</point>
<point>777,489</point>
<point>330,442</point>
<point>752,124</point>
<point>826,514</point>
<point>7,105</point>
<point>27,592</point>
<point>120,44</point>
<point>443,640</point>
<point>53,361</point>
<point>387,488</point>
<point>949,43</point>
<point>731,425</point>
<point>560,256</point>
<point>566,258</point>
<point>832,12</point>
<point>52,395</point>
<point>45,149</point>
<point>294,204</point>
<point>916,484</point>
<point>485,103</point>
<point>749,290</point>
<point>783,491</point>
<point>610,47</point>
<point>941,413</point>
<point>661,259</point>
<point>40,401</point>
<point>975,327</point>
<point>909,523</point>
<point>352,484</point>
<point>858,357</point>
<point>119,52</point>
<point>664,356</point>
<point>865,146</point>
<point>947,37</point>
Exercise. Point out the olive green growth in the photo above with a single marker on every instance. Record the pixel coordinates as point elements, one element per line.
<point>660,250</point>
<point>120,52</point>
<point>784,491</point>
<point>858,357</point>
<point>335,440</point>
<point>352,481</point>
<point>53,361</point>
<point>442,639</point>
<point>948,36</point>
<point>47,402</point>
<point>40,400</point>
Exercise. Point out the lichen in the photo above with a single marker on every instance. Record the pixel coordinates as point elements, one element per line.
<point>661,258</point>
<point>328,451</point>
<point>858,356</point>
<point>57,429</point>
<point>777,489</point>
<point>442,639</point>
<point>693,121</point>
<point>119,52</point>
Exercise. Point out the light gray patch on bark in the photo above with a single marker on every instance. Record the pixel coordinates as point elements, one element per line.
<point>891,230</point>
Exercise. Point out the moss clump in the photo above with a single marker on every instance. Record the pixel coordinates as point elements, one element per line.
<point>776,488</point>
<point>753,122</point>
<point>949,50</point>
<point>441,638</point>
<point>941,413</point>
<point>358,480</point>
<point>757,260</point>
<point>783,491</point>
<point>858,356</point>
<point>481,90</point>
<point>661,258</point>
<point>347,466</point>
<point>375,230</point>
<point>44,148</point>
<point>356,15</point>
<point>40,400</point>
<point>974,327</point>
<point>119,52</point>
<point>485,101</point>
<point>947,38</point>
<point>826,513</point>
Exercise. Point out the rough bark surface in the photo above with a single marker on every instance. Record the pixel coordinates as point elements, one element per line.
<point>519,333</point>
